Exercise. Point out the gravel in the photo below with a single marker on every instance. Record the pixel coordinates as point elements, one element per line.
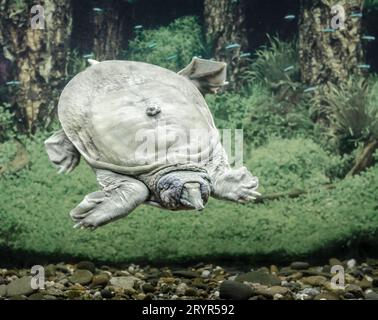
<point>297,281</point>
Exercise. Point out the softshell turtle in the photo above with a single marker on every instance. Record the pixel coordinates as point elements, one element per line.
<point>149,136</point>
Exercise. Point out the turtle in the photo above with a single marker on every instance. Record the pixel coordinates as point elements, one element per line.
<point>130,121</point>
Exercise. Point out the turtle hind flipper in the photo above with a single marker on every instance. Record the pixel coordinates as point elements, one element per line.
<point>62,153</point>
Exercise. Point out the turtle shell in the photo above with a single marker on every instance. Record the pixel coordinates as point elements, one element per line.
<point>134,117</point>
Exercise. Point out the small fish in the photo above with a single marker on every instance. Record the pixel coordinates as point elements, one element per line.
<point>368,38</point>
<point>88,55</point>
<point>328,30</point>
<point>172,57</point>
<point>288,68</point>
<point>364,66</point>
<point>138,27</point>
<point>98,10</point>
<point>13,83</point>
<point>245,55</point>
<point>289,17</point>
<point>310,89</point>
<point>232,46</point>
<point>152,45</point>
<point>356,14</point>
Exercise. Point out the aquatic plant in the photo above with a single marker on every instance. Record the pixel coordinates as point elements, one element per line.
<point>171,46</point>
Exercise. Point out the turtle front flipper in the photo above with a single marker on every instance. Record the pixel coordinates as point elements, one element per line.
<point>120,195</point>
<point>62,152</point>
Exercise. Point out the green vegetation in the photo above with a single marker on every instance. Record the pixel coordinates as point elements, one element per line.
<point>170,47</point>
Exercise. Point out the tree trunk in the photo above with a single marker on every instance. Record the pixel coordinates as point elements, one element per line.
<point>326,54</point>
<point>109,26</point>
<point>227,34</point>
<point>38,57</point>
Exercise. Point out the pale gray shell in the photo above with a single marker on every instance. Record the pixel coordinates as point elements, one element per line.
<point>111,109</point>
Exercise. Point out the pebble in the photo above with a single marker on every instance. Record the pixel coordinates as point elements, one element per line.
<point>185,274</point>
<point>86,265</point>
<point>205,274</point>
<point>351,263</point>
<point>314,280</point>
<point>81,277</point>
<point>299,265</point>
<point>259,277</point>
<point>234,290</point>
<point>371,295</point>
<point>124,282</point>
<point>20,287</point>
<point>101,279</point>
<point>181,289</point>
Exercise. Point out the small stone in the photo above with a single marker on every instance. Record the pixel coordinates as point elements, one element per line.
<point>259,277</point>
<point>101,279</point>
<point>73,294</point>
<point>124,282</point>
<point>234,290</point>
<point>49,297</point>
<point>36,296</point>
<point>86,265</point>
<point>3,290</point>
<point>81,276</point>
<point>309,291</point>
<point>148,288</point>
<point>20,287</point>
<point>106,293</point>
<point>371,295</point>
<point>365,283</point>
<point>97,295</point>
<point>205,274</point>
<point>185,274</point>
<point>354,289</point>
<point>351,263</point>
<point>50,270</point>
<point>181,289</point>
<point>335,262</point>
<point>299,265</point>
<point>326,296</point>
<point>191,292</point>
<point>314,280</point>
<point>273,269</point>
<point>348,295</point>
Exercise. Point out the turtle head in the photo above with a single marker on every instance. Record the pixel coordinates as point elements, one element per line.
<point>180,190</point>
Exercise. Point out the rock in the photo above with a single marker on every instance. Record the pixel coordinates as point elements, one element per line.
<point>81,276</point>
<point>309,291</point>
<point>86,265</point>
<point>18,297</point>
<point>73,294</point>
<point>354,289</point>
<point>101,279</point>
<point>36,296</point>
<point>185,274</point>
<point>274,269</point>
<point>371,295</point>
<point>20,287</point>
<point>375,282</point>
<point>2,281</point>
<point>49,297</point>
<point>259,277</point>
<point>234,290</point>
<point>314,280</point>
<point>181,289</point>
<point>299,265</point>
<point>365,284</point>
<point>124,282</point>
<point>50,270</point>
<point>148,288</point>
<point>205,274</point>
<point>191,292</point>
<point>335,262</point>
<point>3,290</point>
<point>106,294</point>
<point>270,292</point>
<point>351,263</point>
<point>326,296</point>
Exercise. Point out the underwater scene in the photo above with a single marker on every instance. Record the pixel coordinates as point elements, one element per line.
<point>188,150</point>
